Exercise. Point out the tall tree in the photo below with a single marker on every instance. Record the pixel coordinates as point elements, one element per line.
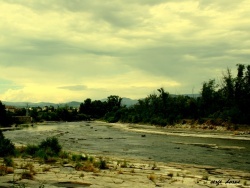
<point>4,119</point>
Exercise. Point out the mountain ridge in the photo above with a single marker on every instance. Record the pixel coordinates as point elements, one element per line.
<point>125,101</point>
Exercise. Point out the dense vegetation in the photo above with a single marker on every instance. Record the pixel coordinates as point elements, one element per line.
<point>226,100</point>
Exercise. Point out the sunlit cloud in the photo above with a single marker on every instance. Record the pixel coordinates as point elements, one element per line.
<point>70,50</point>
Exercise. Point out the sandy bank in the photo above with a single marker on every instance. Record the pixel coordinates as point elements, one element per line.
<point>134,174</point>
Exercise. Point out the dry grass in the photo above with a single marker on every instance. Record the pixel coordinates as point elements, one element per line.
<point>152,177</point>
<point>120,172</point>
<point>86,166</point>
<point>6,170</point>
<point>27,175</point>
<point>46,169</point>
<point>170,174</point>
<point>51,160</point>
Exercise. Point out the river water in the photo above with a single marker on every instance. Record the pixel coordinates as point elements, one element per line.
<point>98,138</point>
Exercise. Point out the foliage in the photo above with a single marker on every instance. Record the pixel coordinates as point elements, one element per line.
<point>51,146</point>
<point>8,161</point>
<point>7,148</point>
<point>101,164</point>
<point>227,99</point>
<point>5,118</point>
<point>46,150</point>
<point>31,150</point>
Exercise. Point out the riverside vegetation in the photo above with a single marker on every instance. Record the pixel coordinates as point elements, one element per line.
<point>49,151</point>
<point>47,165</point>
<point>224,102</point>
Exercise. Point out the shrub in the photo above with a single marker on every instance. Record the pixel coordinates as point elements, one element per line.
<point>27,175</point>
<point>152,177</point>
<point>170,174</point>
<point>76,157</point>
<point>102,164</point>
<point>86,166</point>
<point>7,148</point>
<point>8,161</point>
<point>64,155</point>
<point>31,149</point>
<point>41,153</point>
<point>51,146</point>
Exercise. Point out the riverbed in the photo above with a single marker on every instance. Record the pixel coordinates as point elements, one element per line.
<point>218,149</point>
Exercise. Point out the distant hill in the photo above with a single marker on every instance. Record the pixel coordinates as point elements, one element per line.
<point>128,101</point>
<point>76,104</point>
<point>41,104</point>
<point>125,101</point>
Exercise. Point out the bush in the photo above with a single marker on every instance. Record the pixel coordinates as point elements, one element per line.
<point>31,150</point>
<point>102,164</point>
<point>8,161</point>
<point>51,146</point>
<point>7,148</point>
<point>64,155</point>
<point>79,157</point>
<point>41,153</point>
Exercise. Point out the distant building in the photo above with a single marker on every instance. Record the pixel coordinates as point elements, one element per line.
<point>10,109</point>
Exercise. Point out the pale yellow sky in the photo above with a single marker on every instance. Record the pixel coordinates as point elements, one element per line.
<point>60,50</point>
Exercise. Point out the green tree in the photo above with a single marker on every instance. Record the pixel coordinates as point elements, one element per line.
<point>5,119</point>
<point>113,102</point>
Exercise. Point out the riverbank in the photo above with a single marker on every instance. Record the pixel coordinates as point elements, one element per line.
<point>154,156</point>
<point>186,130</point>
<point>121,173</point>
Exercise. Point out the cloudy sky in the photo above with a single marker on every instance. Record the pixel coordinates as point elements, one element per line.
<point>64,50</point>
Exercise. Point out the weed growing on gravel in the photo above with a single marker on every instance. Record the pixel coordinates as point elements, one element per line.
<point>170,174</point>
<point>102,164</point>
<point>152,177</point>
<point>27,175</point>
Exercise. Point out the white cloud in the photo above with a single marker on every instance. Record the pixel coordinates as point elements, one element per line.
<point>128,48</point>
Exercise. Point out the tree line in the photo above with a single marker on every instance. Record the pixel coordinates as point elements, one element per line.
<point>224,100</point>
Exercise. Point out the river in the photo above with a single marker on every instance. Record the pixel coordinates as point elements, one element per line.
<point>104,139</point>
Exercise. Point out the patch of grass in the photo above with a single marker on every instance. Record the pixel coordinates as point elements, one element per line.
<point>30,167</point>
<point>102,164</point>
<point>86,166</point>
<point>31,149</point>
<point>27,175</point>
<point>46,169</point>
<point>205,177</point>
<point>170,174</point>
<point>2,170</point>
<point>152,177</point>
<point>8,161</point>
<point>78,157</point>
<point>120,172</point>
<point>51,160</point>
<point>81,175</point>
<point>64,155</point>
<point>124,164</point>
<point>51,146</point>
<point>42,154</point>
<point>91,159</point>
<point>154,167</point>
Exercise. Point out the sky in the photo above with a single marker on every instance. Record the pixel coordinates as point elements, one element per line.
<point>70,50</point>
